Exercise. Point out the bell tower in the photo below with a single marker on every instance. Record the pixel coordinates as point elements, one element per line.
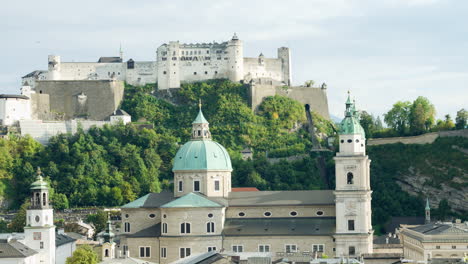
<point>352,193</point>
<point>40,230</point>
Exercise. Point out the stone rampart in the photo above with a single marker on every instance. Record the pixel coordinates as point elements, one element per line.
<point>421,139</point>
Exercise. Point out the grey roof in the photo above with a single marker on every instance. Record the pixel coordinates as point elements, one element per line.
<point>396,221</point>
<point>110,59</point>
<point>120,112</point>
<point>264,198</point>
<point>33,74</point>
<point>19,96</point>
<point>14,249</point>
<point>151,200</point>
<point>62,239</point>
<point>152,231</point>
<point>203,258</point>
<point>437,228</point>
<point>125,261</point>
<point>383,240</point>
<point>300,226</point>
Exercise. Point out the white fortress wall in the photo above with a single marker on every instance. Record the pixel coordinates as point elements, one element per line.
<point>263,68</point>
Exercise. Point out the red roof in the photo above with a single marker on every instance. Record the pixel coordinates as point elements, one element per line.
<point>245,189</point>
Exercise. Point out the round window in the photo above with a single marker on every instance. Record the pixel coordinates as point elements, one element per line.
<point>267,214</point>
<point>342,141</point>
<point>37,218</point>
<point>210,215</point>
<point>319,212</point>
<point>350,141</point>
<point>164,216</point>
<point>357,140</point>
<point>152,216</point>
<point>241,214</point>
<point>293,213</point>
<point>126,215</point>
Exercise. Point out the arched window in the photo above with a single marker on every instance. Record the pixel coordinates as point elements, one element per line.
<point>44,199</point>
<point>210,227</point>
<point>127,227</point>
<point>350,178</point>
<point>164,228</point>
<point>185,228</point>
<point>38,199</point>
<point>106,253</point>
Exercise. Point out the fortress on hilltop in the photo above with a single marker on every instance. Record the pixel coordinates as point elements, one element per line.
<point>177,63</point>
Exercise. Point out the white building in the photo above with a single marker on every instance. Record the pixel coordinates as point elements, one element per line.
<point>14,108</point>
<point>174,63</point>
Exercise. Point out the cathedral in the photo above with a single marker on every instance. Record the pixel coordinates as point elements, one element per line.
<point>205,213</point>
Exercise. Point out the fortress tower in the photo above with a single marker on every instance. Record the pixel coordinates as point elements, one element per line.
<point>285,55</point>
<point>235,66</point>
<point>39,231</point>
<point>54,67</point>
<point>352,193</point>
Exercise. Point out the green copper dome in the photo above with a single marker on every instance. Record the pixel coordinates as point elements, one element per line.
<point>202,155</point>
<point>350,124</point>
<point>39,184</point>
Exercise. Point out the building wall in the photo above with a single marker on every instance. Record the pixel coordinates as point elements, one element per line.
<point>207,183</point>
<point>316,98</point>
<point>100,98</point>
<point>63,252</point>
<point>280,211</point>
<point>134,245</point>
<point>197,245</point>
<point>139,218</point>
<point>13,110</point>
<point>197,217</point>
<point>29,260</point>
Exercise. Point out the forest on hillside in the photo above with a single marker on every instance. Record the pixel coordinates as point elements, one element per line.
<point>113,165</point>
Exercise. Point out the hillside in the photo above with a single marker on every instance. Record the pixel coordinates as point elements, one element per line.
<point>111,166</point>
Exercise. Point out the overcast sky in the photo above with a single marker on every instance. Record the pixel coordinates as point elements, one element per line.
<point>381,50</point>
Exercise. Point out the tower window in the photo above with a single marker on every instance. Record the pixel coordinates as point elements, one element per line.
<point>199,133</point>
<point>181,186</point>
<point>44,199</point>
<point>342,141</point>
<point>357,140</point>
<point>351,225</point>
<point>350,141</point>
<point>164,72</point>
<point>352,251</point>
<point>196,186</point>
<point>216,186</point>
<point>350,178</point>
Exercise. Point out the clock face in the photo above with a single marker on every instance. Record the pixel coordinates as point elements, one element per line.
<point>37,218</point>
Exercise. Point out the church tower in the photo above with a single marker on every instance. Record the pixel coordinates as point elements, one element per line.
<point>40,230</point>
<point>202,165</point>
<point>108,245</point>
<point>352,193</point>
<point>427,212</point>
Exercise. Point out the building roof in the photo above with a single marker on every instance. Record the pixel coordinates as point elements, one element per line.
<point>277,198</point>
<point>191,200</point>
<point>200,119</point>
<point>245,189</point>
<point>128,260</point>
<point>350,124</point>
<point>152,231</point>
<point>396,221</point>
<point>120,112</point>
<point>110,59</point>
<point>385,239</point>
<point>202,155</point>
<point>438,228</point>
<point>299,226</point>
<point>14,96</point>
<point>14,249</point>
<point>62,239</point>
<point>203,258</point>
<point>151,200</point>
<point>33,74</point>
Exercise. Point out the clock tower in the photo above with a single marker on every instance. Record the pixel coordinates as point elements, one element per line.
<point>40,230</point>
<point>352,193</point>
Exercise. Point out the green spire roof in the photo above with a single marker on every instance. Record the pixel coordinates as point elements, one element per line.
<point>200,118</point>
<point>350,124</point>
<point>191,200</point>
<point>108,235</point>
<point>427,204</point>
<point>39,184</point>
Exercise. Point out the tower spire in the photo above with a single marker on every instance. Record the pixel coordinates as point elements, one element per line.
<point>200,126</point>
<point>428,212</point>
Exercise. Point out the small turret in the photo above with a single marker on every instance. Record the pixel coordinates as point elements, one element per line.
<point>200,126</point>
<point>40,192</point>
<point>428,212</point>
<point>352,135</point>
<point>108,234</point>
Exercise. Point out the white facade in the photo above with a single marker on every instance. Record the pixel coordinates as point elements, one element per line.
<point>26,260</point>
<point>14,108</point>
<point>175,63</point>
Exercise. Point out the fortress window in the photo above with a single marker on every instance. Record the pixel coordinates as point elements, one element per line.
<point>293,213</point>
<point>207,52</point>
<point>241,214</point>
<point>352,251</point>
<point>164,228</point>
<point>350,141</point>
<point>350,225</point>
<point>219,58</point>
<point>206,72</point>
<point>210,227</point>
<point>185,228</point>
<point>267,214</point>
<point>164,72</point>
<point>174,58</point>
<point>194,73</point>
<point>196,186</point>
<point>216,186</point>
<point>181,186</point>
<point>319,213</point>
<point>163,58</point>
<point>350,178</point>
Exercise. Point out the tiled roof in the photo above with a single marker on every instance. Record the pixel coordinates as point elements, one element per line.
<point>191,200</point>
<point>272,198</point>
<point>62,239</point>
<point>310,226</point>
<point>14,249</point>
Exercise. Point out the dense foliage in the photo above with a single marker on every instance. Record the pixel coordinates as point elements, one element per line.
<point>83,255</point>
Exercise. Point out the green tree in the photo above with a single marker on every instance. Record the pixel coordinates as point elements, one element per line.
<point>83,255</point>
<point>367,122</point>
<point>60,201</point>
<point>98,219</point>
<point>443,211</point>
<point>422,115</point>
<point>398,117</point>
<point>19,221</point>
<point>461,119</point>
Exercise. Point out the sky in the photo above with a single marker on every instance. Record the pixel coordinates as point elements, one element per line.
<point>382,51</point>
